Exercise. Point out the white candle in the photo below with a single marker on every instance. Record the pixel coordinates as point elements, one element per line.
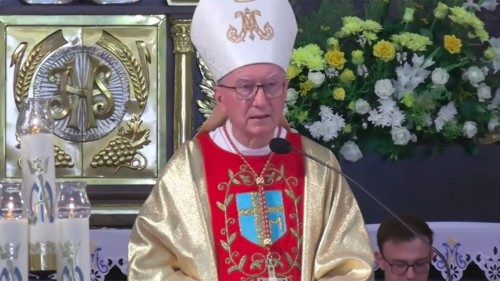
<point>38,185</point>
<point>73,249</point>
<point>14,248</point>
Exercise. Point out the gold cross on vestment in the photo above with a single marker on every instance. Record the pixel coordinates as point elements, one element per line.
<point>271,273</point>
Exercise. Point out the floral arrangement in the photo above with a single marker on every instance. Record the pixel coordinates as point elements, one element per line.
<point>383,84</point>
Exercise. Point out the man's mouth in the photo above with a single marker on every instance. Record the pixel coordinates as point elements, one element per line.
<point>258,117</point>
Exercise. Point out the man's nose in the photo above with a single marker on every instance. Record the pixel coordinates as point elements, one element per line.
<point>410,273</point>
<point>260,97</point>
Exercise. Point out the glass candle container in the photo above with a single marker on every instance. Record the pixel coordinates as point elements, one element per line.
<point>73,213</point>
<point>13,233</point>
<point>34,129</point>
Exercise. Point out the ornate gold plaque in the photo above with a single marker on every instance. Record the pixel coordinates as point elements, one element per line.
<point>105,76</point>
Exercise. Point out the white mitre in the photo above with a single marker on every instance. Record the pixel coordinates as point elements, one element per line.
<point>229,34</point>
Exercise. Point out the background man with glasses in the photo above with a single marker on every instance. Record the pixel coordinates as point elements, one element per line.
<point>405,250</point>
<point>226,207</point>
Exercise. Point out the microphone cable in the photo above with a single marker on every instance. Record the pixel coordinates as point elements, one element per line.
<point>282,146</point>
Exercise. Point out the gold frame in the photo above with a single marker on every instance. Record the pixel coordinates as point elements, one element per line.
<point>158,21</point>
<point>182,2</point>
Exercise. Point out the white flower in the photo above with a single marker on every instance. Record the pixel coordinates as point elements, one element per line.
<point>364,125</point>
<point>489,5</point>
<point>351,152</point>
<point>384,88</point>
<point>414,138</point>
<point>329,126</point>
<point>361,106</point>
<point>400,135</point>
<point>475,75</point>
<point>316,77</point>
<point>387,114</point>
<point>483,92</point>
<point>440,76</point>
<point>291,96</point>
<point>446,114</point>
<point>331,73</point>
<point>486,4</point>
<point>493,123</point>
<point>409,77</point>
<point>495,44</point>
<point>469,129</point>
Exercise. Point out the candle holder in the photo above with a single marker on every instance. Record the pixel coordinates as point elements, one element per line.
<point>14,233</point>
<point>34,129</point>
<point>73,212</point>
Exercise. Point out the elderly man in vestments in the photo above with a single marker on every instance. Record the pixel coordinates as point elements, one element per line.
<point>226,207</point>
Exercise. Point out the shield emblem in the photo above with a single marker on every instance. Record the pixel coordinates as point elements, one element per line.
<point>250,217</point>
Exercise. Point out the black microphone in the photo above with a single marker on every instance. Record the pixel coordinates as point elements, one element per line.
<point>282,146</point>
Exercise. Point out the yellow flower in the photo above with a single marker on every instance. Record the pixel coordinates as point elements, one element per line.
<point>482,35</point>
<point>354,25</point>
<point>408,15</point>
<point>412,41</point>
<point>333,43</point>
<point>371,25</point>
<point>441,11</point>
<point>408,100</point>
<point>489,54</point>
<point>370,36</point>
<point>339,94</point>
<point>305,87</point>
<point>357,57</point>
<point>452,44</point>
<point>384,50</point>
<point>347,76</point>
<point>292,71</point>
<point>351,105</point>
<point>335,59</point>
<point>351,25</point>
<point>463,17</point>
<point>310,56</point>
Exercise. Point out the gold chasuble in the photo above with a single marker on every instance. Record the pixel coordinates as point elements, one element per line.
<point>188,231</point>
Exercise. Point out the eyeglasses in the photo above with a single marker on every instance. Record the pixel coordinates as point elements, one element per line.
<point>246,91</point>
<point>402,268</point>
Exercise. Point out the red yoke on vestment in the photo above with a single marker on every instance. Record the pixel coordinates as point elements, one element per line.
<point>239,219</point>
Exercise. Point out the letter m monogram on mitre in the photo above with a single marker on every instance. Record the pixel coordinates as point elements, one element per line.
<point>249,27</point>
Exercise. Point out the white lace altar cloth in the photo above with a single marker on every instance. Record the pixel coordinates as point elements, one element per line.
<point>461,243</point>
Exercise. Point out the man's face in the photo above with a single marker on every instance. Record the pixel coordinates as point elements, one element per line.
<point>415,252</point>
<point>258,116</point>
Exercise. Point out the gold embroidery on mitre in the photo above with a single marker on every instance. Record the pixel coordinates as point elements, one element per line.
<point>250,27</point>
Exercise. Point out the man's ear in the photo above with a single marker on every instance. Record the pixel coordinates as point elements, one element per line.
<point>379,259</point>
<point>217,96</point>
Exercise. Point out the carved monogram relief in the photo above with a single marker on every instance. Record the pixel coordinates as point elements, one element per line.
<point>103,97</point>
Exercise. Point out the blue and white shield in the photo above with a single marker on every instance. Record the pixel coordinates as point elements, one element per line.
<point>250,216</point>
